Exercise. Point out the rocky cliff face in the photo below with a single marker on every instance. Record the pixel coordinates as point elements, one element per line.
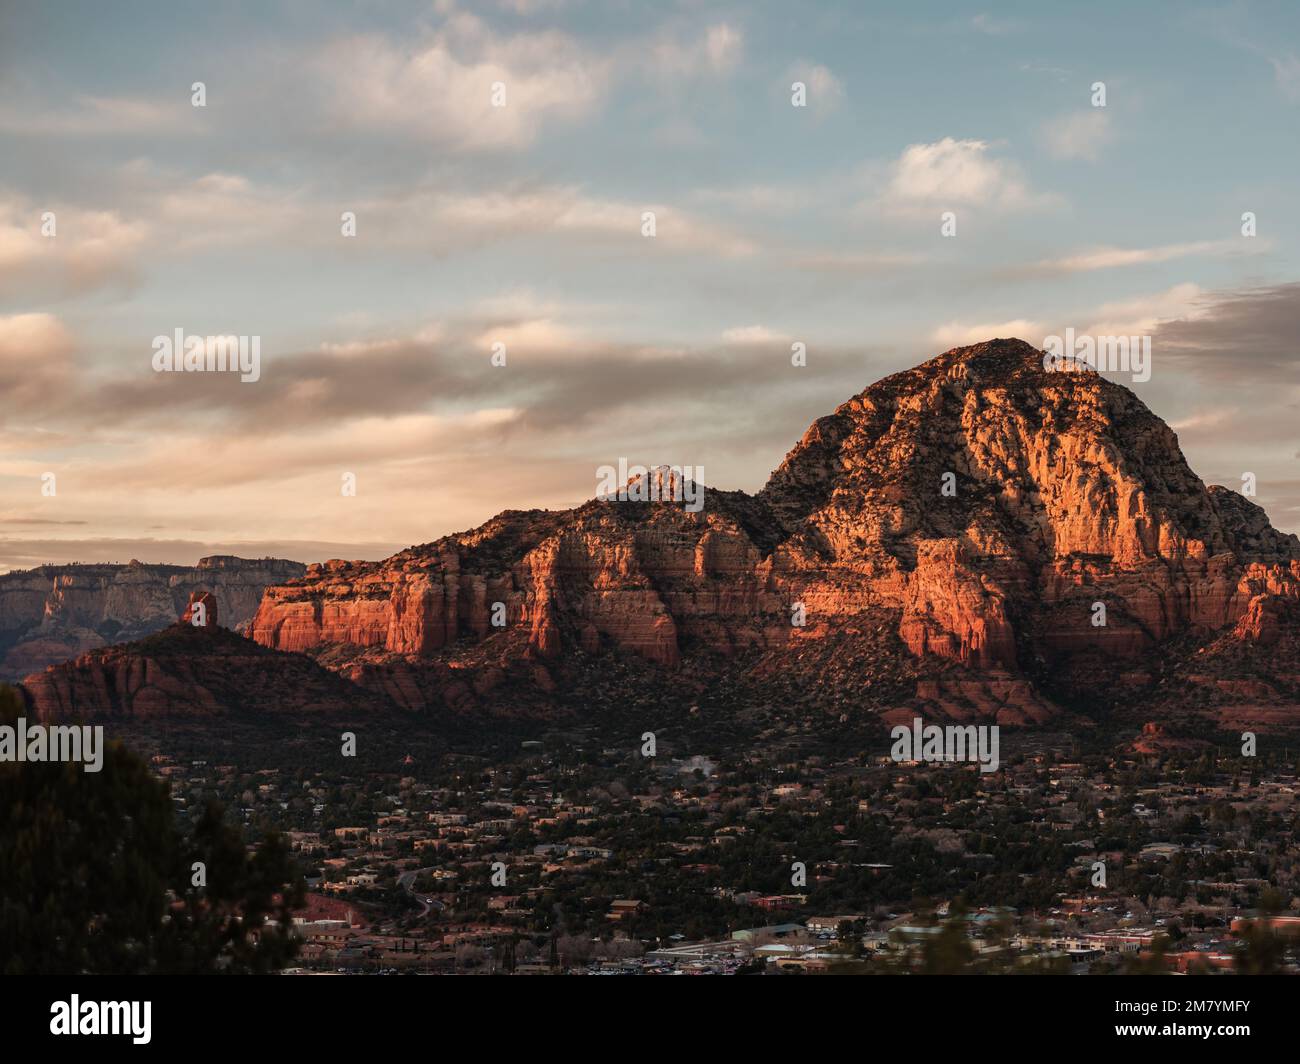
<point>56,612</point>
<point>976,539</point>
<point>1010,530</point>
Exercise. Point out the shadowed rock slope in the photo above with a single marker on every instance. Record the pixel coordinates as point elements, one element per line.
<point>193,672</point>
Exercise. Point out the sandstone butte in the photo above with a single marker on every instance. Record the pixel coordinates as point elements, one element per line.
<point>1069,492</point>
<point>975,604</point>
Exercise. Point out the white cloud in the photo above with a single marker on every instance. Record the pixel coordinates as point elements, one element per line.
<point>1129,317</point>
<point>538,336</point>
<point>1105,258</point>
<point>955,173</point>
<point>425,336</point>
<point>723,45</point>
<point>752,334</point>
<point>714,51</point>
<point>825,90</point>
<point>90,248</point>
<point>1140,316</point>
<point>1081,135</point>
<point>530,212</point>
<point>1203,419</point>
<point>223,209</point>
<point>103,116</point>
<point>440,89</point>
<point>35,360</point>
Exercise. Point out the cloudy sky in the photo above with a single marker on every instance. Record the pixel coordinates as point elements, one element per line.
<point>522,225</point>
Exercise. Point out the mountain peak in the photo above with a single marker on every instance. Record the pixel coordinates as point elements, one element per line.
<point>978,537</point>
<point>660,483</point>
<point>992,363</point>
<point>1009,352</point>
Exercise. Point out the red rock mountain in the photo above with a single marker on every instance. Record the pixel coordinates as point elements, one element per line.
<point>193,672</point>
<point>969,515</point>
<point>55,612</point>
<point>945,543</point>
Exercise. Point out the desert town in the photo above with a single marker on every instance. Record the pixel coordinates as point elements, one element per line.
<point>613,864</point>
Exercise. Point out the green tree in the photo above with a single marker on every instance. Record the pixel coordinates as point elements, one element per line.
<point>97,877</point>
<point>950,951</point>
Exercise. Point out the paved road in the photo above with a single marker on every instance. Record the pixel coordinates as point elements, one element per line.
<point>407,882</point>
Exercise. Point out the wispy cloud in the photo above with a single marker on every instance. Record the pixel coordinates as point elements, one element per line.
<point>823,89</point>
<point>1241,28</point>
<point>78,251</point>
<point>1107,258</point>
<point>995,25</point>
<point>1079,135</point>
<point>97,116</point>
<point>752,334</point>
<point>463,87</point>
<point>956,334</point>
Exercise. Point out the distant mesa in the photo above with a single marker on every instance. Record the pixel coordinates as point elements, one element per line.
<point>56,612</point>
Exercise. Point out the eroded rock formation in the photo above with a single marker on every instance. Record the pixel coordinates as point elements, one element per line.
<point>983,505</point>
<point>59,611</point>
<point>977,538</point>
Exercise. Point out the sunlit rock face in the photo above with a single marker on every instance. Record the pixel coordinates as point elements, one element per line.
<point>978,538</point>
<point>987,501</point>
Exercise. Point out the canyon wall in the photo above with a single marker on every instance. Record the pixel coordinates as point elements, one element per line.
<point>56,612</point>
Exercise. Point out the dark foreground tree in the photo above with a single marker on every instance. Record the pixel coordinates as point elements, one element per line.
<point>1261,953</point>
<point>96,876</point>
